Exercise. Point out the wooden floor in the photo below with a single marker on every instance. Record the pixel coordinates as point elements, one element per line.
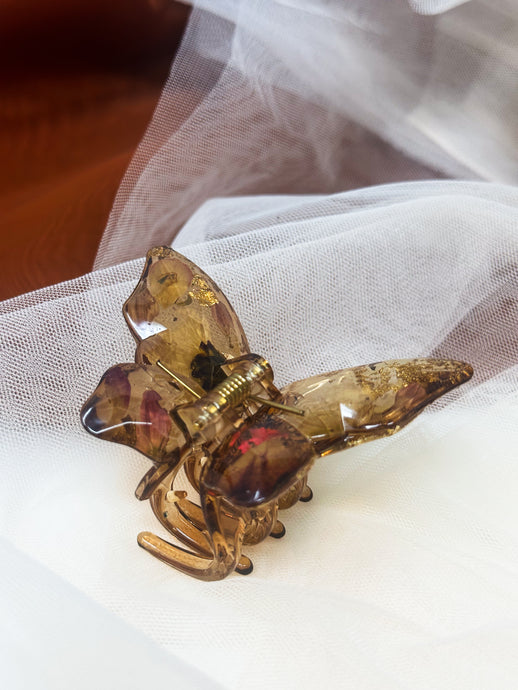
<point>80,81</point>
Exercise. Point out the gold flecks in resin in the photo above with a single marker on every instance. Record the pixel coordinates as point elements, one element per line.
<point>201,292</point>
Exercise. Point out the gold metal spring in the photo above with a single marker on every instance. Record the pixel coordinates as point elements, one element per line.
<point>231,392</point>
<point>234,389</point>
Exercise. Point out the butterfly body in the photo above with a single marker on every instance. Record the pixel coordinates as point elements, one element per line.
<point>198,401</point>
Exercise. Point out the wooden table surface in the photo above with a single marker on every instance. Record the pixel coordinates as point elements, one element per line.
<point>80,81</point>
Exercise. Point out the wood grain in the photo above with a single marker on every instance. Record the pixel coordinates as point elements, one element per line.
<point>80,83</point>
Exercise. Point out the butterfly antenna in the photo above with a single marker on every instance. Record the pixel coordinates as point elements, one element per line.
<point>178,380</point>
<point>279,406</point>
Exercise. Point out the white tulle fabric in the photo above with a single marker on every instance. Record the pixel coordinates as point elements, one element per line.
<point>302,96</point>
<point>402,572</point>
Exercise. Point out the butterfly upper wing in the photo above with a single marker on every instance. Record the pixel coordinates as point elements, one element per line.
<point>348,407</point>
<point>179,316</point>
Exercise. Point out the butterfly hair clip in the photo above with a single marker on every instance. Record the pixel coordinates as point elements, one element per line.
<point>199,401</point>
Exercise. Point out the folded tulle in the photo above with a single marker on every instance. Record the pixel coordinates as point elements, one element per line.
<point>304,96</point>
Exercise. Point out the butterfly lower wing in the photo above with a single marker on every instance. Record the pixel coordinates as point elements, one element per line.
<point>348,407</point>
<point>134,404</point>
<point>258,462</point>
<point>179,316</point>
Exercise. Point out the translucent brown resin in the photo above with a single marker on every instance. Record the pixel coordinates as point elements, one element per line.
<point>198,401</point>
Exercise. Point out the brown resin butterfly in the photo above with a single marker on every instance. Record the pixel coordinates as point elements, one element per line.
<point>198,400</point>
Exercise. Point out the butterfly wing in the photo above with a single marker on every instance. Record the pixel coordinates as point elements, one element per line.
<point>179,316</point>
<point>134,405</point>
<point>348,407</point>
<point>258,462</point>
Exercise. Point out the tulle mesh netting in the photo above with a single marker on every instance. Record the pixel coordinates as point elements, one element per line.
<point>308,96</point>
<point>402,572</point>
